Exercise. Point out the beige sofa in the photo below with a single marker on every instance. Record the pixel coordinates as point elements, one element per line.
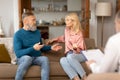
<point>8,70</point>
<point>104,76</point>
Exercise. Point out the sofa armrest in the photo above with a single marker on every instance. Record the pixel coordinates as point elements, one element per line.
<point>104,76</point>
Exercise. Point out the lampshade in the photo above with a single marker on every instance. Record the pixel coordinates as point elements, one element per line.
<point>103,9</point>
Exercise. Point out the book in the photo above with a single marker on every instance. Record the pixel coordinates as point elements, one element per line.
<point>93,54</point>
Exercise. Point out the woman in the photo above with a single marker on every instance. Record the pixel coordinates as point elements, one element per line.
<point>74,44</point>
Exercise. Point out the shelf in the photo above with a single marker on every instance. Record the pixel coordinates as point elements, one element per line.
<point>51,0</point>
<point>49,5</point>
<point>49,11</point>
<point>84,14</point>
<point>56,11</point>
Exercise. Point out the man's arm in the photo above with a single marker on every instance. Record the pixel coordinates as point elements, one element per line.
<point>19,51</point>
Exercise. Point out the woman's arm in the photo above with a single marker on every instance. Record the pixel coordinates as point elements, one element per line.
<point>58,39</point>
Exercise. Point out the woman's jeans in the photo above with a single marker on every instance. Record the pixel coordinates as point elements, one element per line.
<point>71,64</point>
<point>26,61</point>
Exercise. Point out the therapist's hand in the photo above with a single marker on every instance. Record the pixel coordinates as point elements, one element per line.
<point>89,62</point>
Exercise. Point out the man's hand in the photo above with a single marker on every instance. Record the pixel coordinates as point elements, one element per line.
<point>37,46</point>
<point>56,47</point>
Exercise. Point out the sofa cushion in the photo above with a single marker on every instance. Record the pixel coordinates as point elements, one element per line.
<point>9,70</point>
<point>90,43</point>
<point>4,55</point>
<point>104,76</point>
<point>55,55</point>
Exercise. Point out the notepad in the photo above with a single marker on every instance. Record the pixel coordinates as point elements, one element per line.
<point>93,54</point>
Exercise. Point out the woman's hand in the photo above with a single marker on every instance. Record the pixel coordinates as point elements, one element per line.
<point>56,47</point>
<point>74,46</point>
<point>76,49</point>
<point>51,41</point>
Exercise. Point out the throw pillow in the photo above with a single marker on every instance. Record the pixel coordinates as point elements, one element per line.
<point>4,55</point>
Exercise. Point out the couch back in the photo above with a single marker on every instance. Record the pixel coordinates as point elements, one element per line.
<point>90,43</point>
<point>55,56</point>
<point>52,55</point>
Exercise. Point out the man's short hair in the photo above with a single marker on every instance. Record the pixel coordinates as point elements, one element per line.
<point>26,14</point>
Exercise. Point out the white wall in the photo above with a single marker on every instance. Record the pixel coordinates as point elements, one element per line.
<point>9,15</point>
<point>6,12</point>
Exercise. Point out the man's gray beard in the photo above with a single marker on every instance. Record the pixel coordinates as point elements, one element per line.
<point>32,28</point>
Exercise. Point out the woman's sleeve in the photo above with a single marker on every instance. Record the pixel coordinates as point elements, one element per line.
<point>80,42</point>
<point>61,39</point>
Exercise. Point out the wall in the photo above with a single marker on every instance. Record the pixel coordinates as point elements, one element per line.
<point>108,29</point>
<point>9,16</point>
<point>6,13</point>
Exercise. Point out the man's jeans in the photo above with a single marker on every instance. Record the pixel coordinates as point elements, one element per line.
<point>71,64</point>
<point>26,61</point>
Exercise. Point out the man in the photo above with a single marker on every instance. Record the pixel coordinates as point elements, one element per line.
<point>28,46</point>
<point>111,59</point>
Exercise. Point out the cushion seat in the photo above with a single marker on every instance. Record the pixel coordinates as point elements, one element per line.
<point>9,70</point>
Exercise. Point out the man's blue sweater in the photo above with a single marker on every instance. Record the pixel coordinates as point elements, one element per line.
<point>24,41</point>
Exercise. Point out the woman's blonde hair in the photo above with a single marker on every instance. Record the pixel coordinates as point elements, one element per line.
<point>76,22</point>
